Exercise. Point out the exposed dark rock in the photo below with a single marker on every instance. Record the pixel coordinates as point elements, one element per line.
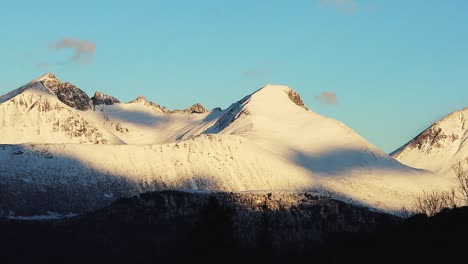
<point>104,99</point>
<point>196,109</point>
<point>296,98</point>
<point>66,92</point>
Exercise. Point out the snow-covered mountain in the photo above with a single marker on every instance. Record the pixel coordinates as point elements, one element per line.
<point>267,141</point>
<point>440,146</point>
<point>37,113</point>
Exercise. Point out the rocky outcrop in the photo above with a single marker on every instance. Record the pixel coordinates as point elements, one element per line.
<point>142,100</point>
<point>296,98</point>
<point>450,132</point>
<point>66,92</point>
<point>104,99</point>
<point>196,109</point>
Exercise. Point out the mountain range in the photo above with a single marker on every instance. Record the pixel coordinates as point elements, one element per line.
<point>64,152</point>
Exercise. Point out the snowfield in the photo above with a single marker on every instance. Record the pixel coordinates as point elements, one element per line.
<point>60,159</point>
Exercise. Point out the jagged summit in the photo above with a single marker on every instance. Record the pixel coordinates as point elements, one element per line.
<point>104,99</point>
<point>46,77</point>
<point>196,109</point>
<point>440,146</point>
<point>66,92</point>
<point>142,100</point>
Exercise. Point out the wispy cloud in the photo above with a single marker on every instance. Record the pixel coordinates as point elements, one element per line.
<point>83,50</point>
<point>343,6</point>
<point>328,98</point>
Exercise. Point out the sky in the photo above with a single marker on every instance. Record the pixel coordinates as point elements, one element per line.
<point>387,69</point>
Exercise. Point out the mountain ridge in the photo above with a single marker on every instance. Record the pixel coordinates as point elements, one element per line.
<point>267,140</point>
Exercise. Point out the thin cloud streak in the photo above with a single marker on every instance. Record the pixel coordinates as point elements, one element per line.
<point>83,50</point>
<point>328,98</point>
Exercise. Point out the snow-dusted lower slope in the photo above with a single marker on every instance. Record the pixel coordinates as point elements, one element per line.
<point>81,177</point>
<point>439,147</point>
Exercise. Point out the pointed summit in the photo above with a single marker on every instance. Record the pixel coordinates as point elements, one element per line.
<point>104,99</point>
<point>440,146</point>
<point>66,92</point>
<point>47,76</point>
<point>196,109</point>
<point>276,94</point>
<point>142,100</point>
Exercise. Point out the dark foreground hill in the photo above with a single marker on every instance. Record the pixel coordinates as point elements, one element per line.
<point>170,226</point>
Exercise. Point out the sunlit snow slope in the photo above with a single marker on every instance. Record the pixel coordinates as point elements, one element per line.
<point>267,141</point>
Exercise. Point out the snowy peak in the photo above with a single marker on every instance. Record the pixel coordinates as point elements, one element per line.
<point>142,100</point>
<point>271,102</point>
<point>34,87</point>
<point>440,146</point>
<point>66,92</point>
<point>451,130</point>
<point>104,99</point>
<point>279,97</point>
<point>196,109</point>
<point>47,77</point>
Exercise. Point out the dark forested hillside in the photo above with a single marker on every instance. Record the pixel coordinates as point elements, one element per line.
<point>235,228</point>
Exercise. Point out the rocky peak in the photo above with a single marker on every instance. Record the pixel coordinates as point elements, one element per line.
<point>142,100</point>
<point>104,99</point>
<point>66,92</point>
<point>451,130</point>
<point>196,109</point>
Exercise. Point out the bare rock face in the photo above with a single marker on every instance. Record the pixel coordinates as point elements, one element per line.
<point>447,133</point>
<point>196,109</point>
<point>296,98</point>
<point>104,99</point>
<point>66,92</point>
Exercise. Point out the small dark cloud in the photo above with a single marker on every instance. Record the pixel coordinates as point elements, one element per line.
<point>42,65</point>
<point>83,50</point>
<point>328,98</point>
<point>343,6</point>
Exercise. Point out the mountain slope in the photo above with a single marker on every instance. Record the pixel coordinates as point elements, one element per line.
<point>267,141</point>
<point>276,118</point>
<point>34,113</point>
<point>438,147</point>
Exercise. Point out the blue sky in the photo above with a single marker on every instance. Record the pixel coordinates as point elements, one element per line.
<point>395,66</point>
